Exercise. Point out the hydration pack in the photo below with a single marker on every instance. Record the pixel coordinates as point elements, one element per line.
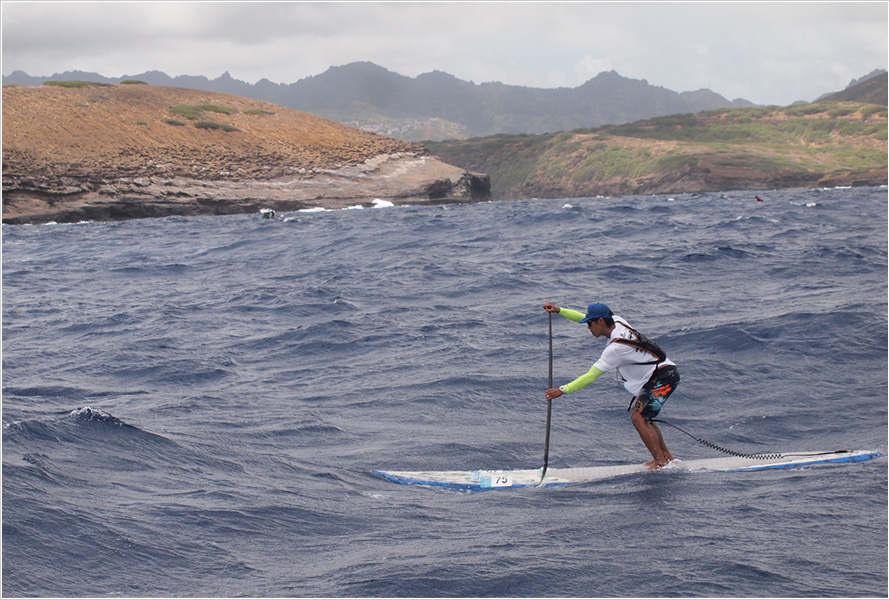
<point>641,342</point>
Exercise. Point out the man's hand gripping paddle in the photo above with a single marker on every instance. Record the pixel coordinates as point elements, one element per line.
<point>549,402</point>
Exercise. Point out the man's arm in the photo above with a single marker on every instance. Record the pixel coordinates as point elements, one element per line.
<point>574,386</point>
<point>584,380</point>
<point>568,313</point>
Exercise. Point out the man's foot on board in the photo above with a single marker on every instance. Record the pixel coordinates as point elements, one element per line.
<point>654,464</point>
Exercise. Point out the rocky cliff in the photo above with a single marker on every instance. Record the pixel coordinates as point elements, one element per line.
<point>73,151</point>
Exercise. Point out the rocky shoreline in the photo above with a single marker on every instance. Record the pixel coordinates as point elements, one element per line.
<point>713,178</point>
<point>402,178</point>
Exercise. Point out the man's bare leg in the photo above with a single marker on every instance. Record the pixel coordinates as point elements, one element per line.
<point>664,449</point>
<point>651,436</point>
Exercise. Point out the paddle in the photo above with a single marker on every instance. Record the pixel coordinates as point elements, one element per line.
<point>549,402</point>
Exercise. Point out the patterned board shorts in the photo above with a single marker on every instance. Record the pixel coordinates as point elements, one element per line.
<point>654,393</point>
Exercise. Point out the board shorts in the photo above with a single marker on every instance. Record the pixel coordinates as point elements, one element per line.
<point>653,395</point>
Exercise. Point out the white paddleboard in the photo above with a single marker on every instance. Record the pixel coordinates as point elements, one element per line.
<point>502,479</point>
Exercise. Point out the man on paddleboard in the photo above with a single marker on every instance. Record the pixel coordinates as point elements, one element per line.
<point>642,366</point>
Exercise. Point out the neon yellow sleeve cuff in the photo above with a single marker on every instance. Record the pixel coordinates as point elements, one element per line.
<point>583,381</point>
<point>571,315</point>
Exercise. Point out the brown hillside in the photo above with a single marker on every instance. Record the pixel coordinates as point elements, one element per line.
<point>64,147</point>
<point>127,127</point>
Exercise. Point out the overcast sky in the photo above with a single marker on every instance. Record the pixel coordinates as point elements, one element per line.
<point>765,52</point>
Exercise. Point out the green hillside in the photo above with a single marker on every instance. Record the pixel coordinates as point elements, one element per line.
<point>826,143</point>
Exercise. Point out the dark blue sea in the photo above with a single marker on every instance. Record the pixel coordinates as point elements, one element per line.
<point>192,407</point>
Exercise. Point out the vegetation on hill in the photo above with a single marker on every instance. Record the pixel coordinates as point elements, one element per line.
<point>75,83</point>
<point>732,148</point>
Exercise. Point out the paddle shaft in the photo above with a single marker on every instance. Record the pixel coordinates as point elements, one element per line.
<point>549,402</point>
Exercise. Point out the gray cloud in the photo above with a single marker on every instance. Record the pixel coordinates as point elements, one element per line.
<point>769,53</point>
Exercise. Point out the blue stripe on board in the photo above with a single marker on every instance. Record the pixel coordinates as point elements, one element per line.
<point>836,459</point>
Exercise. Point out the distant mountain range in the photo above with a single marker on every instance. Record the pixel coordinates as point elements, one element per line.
<point>437,106</point>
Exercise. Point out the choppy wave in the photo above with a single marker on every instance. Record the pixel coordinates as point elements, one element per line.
<point>193,406</point>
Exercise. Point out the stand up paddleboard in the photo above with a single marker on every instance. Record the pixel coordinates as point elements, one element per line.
<point>502,479</point>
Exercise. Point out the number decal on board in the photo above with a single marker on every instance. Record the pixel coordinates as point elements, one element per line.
<point>492,479</point>
<point>495,481</point>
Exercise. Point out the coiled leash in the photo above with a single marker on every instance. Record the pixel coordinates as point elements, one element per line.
<point>719,448</point>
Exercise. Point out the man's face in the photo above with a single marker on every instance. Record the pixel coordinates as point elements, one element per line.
<point>597,327</point>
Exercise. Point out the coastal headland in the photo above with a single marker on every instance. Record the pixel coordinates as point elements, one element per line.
<point>75,151</point>
<point>824,144</point>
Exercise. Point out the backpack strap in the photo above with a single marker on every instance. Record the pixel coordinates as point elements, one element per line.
<point>635,344</point>
<point>643,343</point>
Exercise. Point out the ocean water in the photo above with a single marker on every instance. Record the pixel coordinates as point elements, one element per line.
<point>192,407</point>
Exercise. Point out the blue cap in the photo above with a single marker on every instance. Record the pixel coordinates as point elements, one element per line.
<point>596,311</point>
